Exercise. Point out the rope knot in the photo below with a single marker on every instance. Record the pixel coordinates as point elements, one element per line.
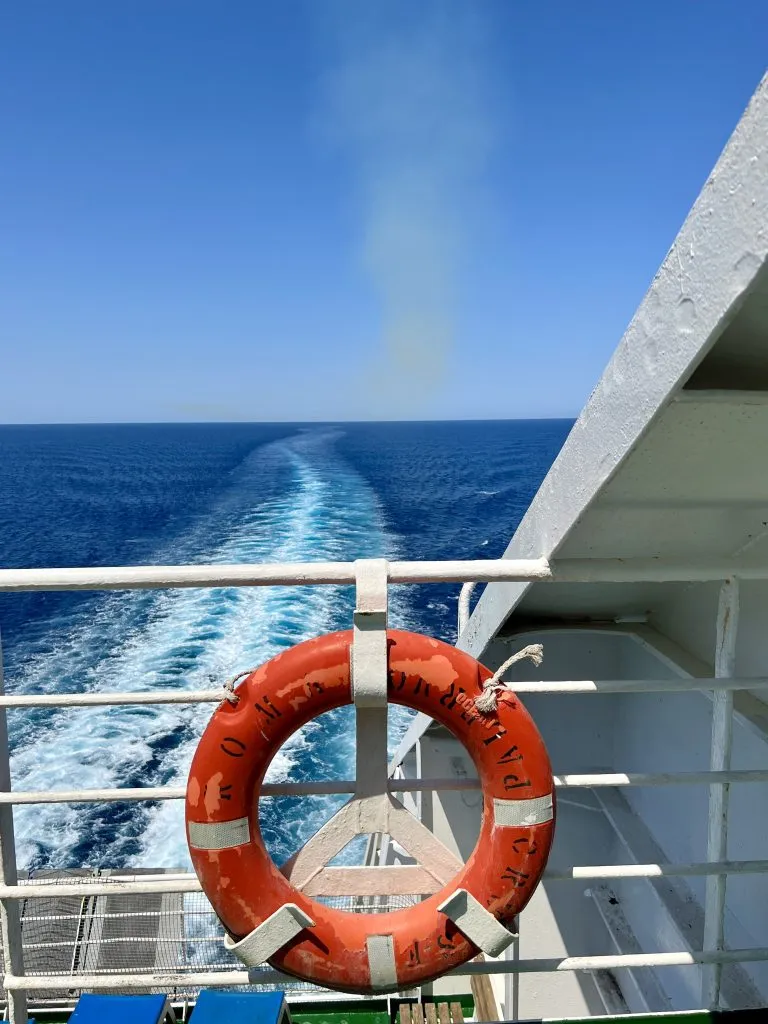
<point>229,686</point>
<point>488,701</point>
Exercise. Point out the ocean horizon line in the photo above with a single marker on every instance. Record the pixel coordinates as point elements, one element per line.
<point>277,423</point>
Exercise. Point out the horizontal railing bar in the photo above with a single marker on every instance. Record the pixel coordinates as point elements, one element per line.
<point>296,789</point>
<point>151,577</point>
<point>609,963</point>
<point>42,890</point>
<point>189,882</point>
<point>182,913</point>
<point>605,570</point>
<point>506,570</point>
<point>139,577</point>
<point>174,940</point>
<point>594,871</point>
<point>75,700</point>
<point>146,793</point>
<point>222,979</point>
<point>149,794</point>
<point>677,685</point>
<point>605,779</point>
<point>167,981</point>
<point>571,570</point>
<point>83,700</point>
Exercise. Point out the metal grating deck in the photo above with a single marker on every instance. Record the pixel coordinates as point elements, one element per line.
<point>129,933</point>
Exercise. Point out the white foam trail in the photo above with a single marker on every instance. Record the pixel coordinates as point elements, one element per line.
<point>188,638</point>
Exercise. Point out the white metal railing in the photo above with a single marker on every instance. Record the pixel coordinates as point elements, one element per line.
<point>716,868</point>
<point>83,700</point>
<point>182,883</point>
<point>225,979</point>
<point>273,789</point>
<point>499,570</point>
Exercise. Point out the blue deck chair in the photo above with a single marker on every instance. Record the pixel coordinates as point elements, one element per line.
<point>214,1007</point>
<point>105,1009</point>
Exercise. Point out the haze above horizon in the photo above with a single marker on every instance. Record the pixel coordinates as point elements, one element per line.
<point>337,211</point>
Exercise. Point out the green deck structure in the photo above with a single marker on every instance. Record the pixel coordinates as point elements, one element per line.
<point>378,1011</point>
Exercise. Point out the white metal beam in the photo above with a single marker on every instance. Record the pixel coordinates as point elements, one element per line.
<point>643,982</point>
<point>715,258</point>
<point>377,814</point>
<point>716,396</point>
<point>720,760</point>
<point>397,880</point>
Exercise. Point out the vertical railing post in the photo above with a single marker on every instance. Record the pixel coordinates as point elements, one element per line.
<point>512,979</point>
<point>10,918</point>
<point>720,760</point>
<point>369,687</point>
<point>465,596</point>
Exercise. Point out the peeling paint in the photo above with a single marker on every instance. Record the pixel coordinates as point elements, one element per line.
<point>193,792</point>
<point>212,796</point>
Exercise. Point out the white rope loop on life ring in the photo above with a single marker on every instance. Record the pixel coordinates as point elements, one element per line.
<point>488,700</point>
<point>229,686</point>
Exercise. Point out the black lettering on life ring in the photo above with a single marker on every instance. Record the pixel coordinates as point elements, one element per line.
<point>508,758</point>
<point>419,683</point>
<point>400,683</point>
<point>269,708</point>
<point>518,878</point>
<point>448,700</point>
<point>515,782</point>
<point>233,747</point>
<point>448,696</point>
<point>497,735</point>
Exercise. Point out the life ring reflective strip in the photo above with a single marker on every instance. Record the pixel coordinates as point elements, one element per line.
<point>367,952</point>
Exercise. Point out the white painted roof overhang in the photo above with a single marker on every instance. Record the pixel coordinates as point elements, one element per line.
<point>670,455</point>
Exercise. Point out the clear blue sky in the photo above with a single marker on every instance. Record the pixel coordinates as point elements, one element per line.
<point>322,210</point>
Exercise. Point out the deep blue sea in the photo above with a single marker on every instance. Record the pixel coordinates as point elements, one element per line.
<point>169,494</point>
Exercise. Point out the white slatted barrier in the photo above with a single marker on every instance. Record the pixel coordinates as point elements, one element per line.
<point>719,778</point>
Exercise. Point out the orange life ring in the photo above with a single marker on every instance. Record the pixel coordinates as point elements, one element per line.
<point>244,885</point>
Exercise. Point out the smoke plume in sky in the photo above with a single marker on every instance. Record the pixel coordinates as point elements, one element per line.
<point>407,97</point>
